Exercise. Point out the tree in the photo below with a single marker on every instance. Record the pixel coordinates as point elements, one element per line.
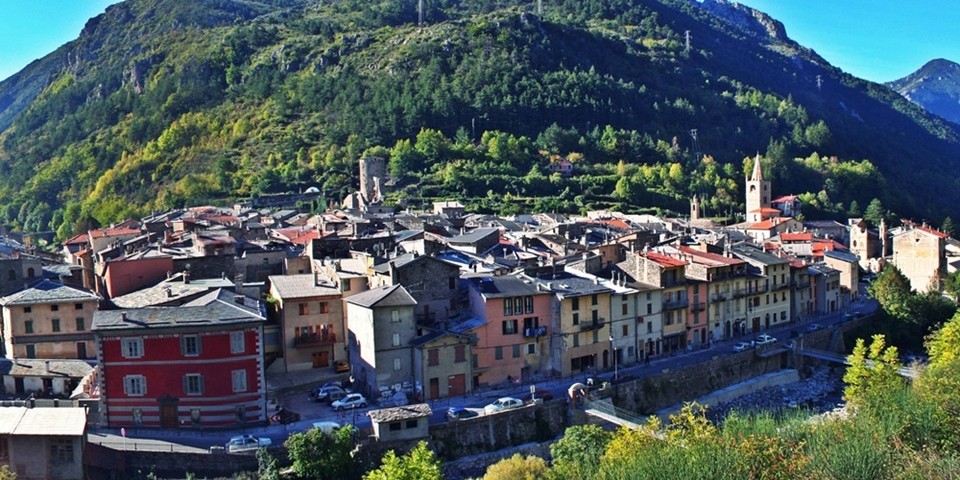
<point>577,454</point>
<point>419,464</point>
<point>874,212</point>
<point>318,455</point>
<point>517,467</point>
<point>268,467</point>
<point>892,290</point>
<point>948,227</point>
<point>873,371</point>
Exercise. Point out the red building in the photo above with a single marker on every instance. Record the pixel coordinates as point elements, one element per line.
<point>199,364</point>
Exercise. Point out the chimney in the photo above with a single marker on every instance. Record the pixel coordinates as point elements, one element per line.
<point>46,366</point>
<point>123,317</point>
<point>186,277</point>
<point>169,291</point>
<point>393,272</point>
<point>239,299</point>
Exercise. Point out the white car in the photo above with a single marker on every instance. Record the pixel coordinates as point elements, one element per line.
<point>327,427</point>
<point>741,346</point>
<point>501,404</point>
<point>764,339</point>
<point>247,443</point>
<point>353,400</point>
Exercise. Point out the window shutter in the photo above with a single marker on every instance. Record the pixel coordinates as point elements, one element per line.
<point>126,385</point>
<point>183,346</point>
<point>199,344</point>
<point>202,390</point>
<point>186,384</point>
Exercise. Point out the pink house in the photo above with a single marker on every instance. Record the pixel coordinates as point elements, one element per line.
<point>512,328</point>
<point>122,276</point>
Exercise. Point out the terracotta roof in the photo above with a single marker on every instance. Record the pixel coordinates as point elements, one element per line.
<point>933,232</point>
<point>617,224</point>
<point>664,260</point>
<point>796,237</point>
<point>765,210</point>
<point>784,199</point>
<point>712,257</point>
<point>113,232</point>
<point>81,238</point>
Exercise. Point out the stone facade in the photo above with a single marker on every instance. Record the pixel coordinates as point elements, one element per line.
<point>919,253</point>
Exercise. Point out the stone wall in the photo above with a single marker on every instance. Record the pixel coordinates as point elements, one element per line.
<point>494,432</point>
<point>107,463</point>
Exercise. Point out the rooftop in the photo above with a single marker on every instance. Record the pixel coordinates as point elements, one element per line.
<point>218,307</point>
<point>397,414</point>
<point>301,286</point>
<point>46,291</point>
<point>497,286</point>
<point>64,421</point>
<point>388,296</point>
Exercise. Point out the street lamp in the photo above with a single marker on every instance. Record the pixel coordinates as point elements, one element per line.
<point>614,350</point>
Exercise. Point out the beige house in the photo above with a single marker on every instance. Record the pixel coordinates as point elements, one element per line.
<point>49,320</point>
<point>43,443</point>
<point>849,266</point>
<point>580,342</point>
<point>920,254</point>
<point>409,422</point>
<point>769,300</point>
<point>443,364</point>
<point>311,321</point>
<point>726,277</point>
<point>669,275</point>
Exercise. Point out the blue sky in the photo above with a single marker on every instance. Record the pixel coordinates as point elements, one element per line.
<point>30,29</point>
<point>879,40</point>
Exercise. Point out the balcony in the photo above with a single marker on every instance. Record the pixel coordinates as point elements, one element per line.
<point>699,306</point>
<point>305,341</point>
<point>718,297</point>
<point>534,332</point>
<point>592,325</point>
<point>425,318</point>
<point>676,304</point>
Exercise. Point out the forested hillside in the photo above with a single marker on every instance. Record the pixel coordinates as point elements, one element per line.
<point>166,103</point>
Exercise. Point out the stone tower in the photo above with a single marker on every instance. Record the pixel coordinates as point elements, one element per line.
<point>758,193</point>
<point>373,172</point>
<point>695,208</point>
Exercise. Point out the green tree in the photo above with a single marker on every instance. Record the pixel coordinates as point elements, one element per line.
<point>873,370</point>
<point>419,464</point>
<point>948,227</point>
<point>892,290</point>
<point>875,212</point>
<point>318,455</point>
<point>578,453</point>
<point>268,467</point>
<point>517,467</point>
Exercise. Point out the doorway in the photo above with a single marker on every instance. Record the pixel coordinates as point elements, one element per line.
<point>434,388</point>
<point>321,359</point>
<point>457,385</point>
<point>168,413</point>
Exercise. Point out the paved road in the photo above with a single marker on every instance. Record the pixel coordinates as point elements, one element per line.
<point>297,401</point>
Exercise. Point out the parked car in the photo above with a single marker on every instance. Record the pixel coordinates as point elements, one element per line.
<point>341,366</point>
<point>247,443</point>
<point>501,404</point>
<point>327,427</point>
<point>459,413</point>
<point>327,394</point>
<point>813,327</point>
<point>764,339</point>
<point>741,346</point>
<point>352,400</point>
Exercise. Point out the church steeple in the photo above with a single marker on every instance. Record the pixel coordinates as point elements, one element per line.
<point>758,194</point>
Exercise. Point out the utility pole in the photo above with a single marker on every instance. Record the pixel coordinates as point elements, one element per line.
<point>540,8</point>
<point>819,82</point>
<point>420,13</point>
<point>688,37</point>
<point>696,146</point>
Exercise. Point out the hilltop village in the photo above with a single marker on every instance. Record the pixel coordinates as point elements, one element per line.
<point>178,320</point>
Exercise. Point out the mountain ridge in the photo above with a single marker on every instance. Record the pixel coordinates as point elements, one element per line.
<point>935,86</point>
<point>179,102</point>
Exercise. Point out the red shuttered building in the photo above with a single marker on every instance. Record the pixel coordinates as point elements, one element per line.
<point>196,365</point>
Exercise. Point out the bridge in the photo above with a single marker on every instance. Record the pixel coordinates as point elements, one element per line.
<point>905,371</point>
<point>606,411</point>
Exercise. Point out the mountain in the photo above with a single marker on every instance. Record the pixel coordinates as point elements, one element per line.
<point>935,87</point>
<point>165,103</point>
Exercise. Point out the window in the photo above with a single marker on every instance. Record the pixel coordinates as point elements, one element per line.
<point>507,307</point>
<point>303,308</point>
<point>324,307</point>
<point>81,324</point>
<point>576,339</point>
<point>132,348</point>
<point>31,351</point>
<point>345,284</point>
<point>190,345</point>
<point>395,426</point>
<point>395,316</point>
<point>650,327</point>
<point>54,308</point>
<point>595,316</point>
<point>596,336</point>
<point>452,283</point>
<point>193,384</point>
<point>575,302</point>
<point>498,353</point>
<point>783,315</point>
<point>433,357</point>
<point>55,325</point>
<point>239,380</point>
<point>460,353</point>
<point>623,308</point>
<point>530,322</point>
<point>396,364</point>
<point>474,360</point>
<point>626,330</point>
<point>27,309</point>
<point>518,305</point>
<point>135,385</point>
<point>78,306</point>
<point>576,319</point>
<point>61,452</point>
<point>516,351</point>
<point>649,308</point>
<point>412,423</point>
<point>509,327</point>
<point>531,348</point>
<point>396,339</point>
<point>28,326</point>
<point>527,304</point>
<point>236,342</point>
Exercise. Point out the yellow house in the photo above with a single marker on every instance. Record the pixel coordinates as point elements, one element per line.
<point>581,331</point>
<point>49,320</point>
